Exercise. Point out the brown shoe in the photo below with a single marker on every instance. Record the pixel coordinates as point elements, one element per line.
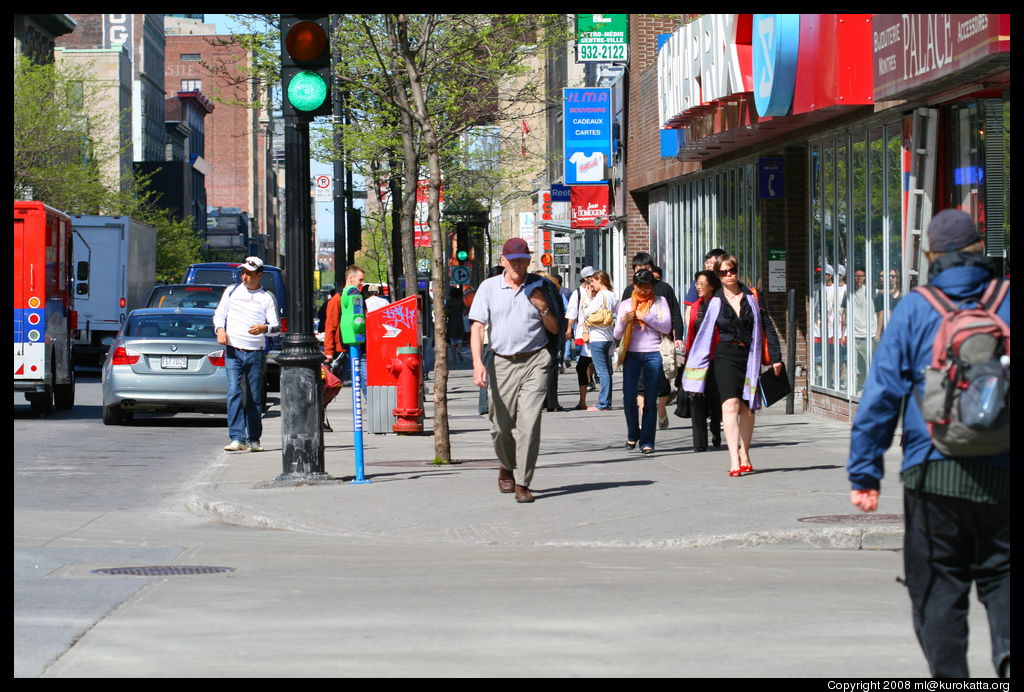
<point>523,494</point>
<point>506,481</point>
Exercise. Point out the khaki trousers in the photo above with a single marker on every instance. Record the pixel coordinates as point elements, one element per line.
<point>518,389</point>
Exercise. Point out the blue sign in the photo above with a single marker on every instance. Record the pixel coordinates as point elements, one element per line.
<point>776,43</point>
<point>588,134</point>
<point>770,178</point>
<point>561,193</point>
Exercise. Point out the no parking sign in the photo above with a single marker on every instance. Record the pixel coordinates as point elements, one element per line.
<point>324,186</point>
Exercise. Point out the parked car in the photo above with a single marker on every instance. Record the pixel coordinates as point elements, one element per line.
<point>227,273</point>
<point>186,296</point>
<point>164,359</point>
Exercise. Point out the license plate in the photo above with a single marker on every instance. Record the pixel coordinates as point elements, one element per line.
<point>174,362</point>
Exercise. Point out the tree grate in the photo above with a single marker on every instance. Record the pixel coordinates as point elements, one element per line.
<point>161,570</point>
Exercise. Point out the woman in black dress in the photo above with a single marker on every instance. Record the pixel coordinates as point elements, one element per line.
<point>737,319</point>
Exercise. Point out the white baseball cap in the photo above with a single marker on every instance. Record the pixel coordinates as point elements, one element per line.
<point>587,272</point>
<point>253,264</point>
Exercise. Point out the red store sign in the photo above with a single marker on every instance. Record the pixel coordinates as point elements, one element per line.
<point>912,50</point>
<point>832,70</point>
<point>590,207</point>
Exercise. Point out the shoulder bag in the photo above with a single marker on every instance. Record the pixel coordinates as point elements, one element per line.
<point>602,317</point>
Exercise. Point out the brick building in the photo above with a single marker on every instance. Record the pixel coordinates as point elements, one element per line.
<point>241,170</point>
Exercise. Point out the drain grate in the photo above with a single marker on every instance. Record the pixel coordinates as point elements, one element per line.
<point>854,519</point>
<point>161,570</point>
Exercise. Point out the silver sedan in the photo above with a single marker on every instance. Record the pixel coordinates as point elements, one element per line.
<point>164,359</point>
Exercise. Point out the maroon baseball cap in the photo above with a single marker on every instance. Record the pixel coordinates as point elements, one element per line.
<point>516,248</point>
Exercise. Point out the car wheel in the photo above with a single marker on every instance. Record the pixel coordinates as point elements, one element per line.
<point>112,415</point>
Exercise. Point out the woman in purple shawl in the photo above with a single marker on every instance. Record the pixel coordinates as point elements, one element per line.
<point>738,319</point>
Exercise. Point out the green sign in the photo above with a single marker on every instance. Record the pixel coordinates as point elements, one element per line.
<point>776,255</point>
<point>602,37</point>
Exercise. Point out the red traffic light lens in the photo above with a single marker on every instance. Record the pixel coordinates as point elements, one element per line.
<point>305,41</point>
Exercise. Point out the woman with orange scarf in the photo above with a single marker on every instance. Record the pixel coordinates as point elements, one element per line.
<point>640,322</point>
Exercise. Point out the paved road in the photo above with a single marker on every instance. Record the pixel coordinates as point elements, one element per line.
<point>425,592</point>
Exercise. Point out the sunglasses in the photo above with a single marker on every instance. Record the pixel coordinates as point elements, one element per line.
<point>726,272</point>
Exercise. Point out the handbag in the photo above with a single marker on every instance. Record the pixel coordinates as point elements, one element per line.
<point>683,405</point>
<point>667,348</point>
<point>765,358</point>
<point>602,317</point>
<point>772,387</point>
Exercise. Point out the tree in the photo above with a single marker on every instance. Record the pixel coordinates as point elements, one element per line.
<point>442,73</point>
<point>59,154</point>
<point>413,84</point>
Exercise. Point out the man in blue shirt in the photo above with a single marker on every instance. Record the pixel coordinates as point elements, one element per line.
<point>957,511</point>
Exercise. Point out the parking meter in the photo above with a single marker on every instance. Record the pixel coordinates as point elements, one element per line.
<point>353,317</point>
<point>352,324</point>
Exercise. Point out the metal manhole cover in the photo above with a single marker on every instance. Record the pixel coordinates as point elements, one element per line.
<point>854,519</point>
<point>161,570</point>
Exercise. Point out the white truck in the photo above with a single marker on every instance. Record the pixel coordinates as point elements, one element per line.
<point>115,269</point>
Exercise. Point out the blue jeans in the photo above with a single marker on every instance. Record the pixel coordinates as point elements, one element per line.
<point>648,366</point>
<point>601,352</point>
<point>245,415</point>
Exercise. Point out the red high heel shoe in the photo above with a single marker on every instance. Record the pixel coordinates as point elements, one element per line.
<point>746,469</point>
<point>735,473</point>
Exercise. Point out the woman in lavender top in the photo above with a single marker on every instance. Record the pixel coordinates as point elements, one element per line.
<point>640,322</point>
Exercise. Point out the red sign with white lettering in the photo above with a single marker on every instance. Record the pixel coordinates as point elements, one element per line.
<point>590,207</point>
<point>911,50</point>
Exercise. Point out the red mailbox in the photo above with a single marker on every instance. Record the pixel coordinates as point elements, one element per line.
<point>391,334</point>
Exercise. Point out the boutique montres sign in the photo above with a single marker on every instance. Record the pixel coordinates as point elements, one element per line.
<point>913,50</point>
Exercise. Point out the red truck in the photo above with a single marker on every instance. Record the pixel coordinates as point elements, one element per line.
<point>44,314</point>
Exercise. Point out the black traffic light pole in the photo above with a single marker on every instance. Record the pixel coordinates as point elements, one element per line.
<point>300,359</point>
<point>305,58</point>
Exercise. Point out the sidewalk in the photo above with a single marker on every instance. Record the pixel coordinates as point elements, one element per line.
<point>589,490</point>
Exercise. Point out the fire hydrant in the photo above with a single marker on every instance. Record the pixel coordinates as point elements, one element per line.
<point>406,367</point>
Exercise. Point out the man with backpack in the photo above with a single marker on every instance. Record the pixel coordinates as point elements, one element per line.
<point>956,460</point>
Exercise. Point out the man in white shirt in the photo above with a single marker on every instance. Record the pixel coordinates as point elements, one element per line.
<point>373,299</point>
<point>245,314</point>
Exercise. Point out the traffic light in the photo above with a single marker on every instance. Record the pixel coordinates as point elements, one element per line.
<point>306,65</point>
<point>462,241</point>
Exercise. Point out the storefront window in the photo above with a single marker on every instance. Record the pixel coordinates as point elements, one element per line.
<point>716,210</point>
<point>856,250</point>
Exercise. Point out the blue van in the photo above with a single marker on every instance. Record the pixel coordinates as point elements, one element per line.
<point>229,273</point>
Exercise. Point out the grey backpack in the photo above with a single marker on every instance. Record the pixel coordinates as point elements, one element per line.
<point>966,398</point>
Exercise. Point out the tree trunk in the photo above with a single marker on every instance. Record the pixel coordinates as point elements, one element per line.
<point>442,438</point>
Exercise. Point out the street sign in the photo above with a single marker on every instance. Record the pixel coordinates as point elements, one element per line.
<point>423,266</point>
<point>602,37</point>
<point>460,275</point>
<point>324,186</point>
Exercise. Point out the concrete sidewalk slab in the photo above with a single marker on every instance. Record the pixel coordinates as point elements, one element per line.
<point>590,490</point>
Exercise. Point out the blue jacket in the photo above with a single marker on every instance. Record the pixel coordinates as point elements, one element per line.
<point>897,370</point>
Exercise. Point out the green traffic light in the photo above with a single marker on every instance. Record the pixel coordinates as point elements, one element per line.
<point>462,255</point>
<point>307,91</point>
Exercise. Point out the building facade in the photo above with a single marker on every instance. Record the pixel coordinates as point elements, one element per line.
<point>141,35</point>
<point>237,137</point>
<point>816,148</point>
